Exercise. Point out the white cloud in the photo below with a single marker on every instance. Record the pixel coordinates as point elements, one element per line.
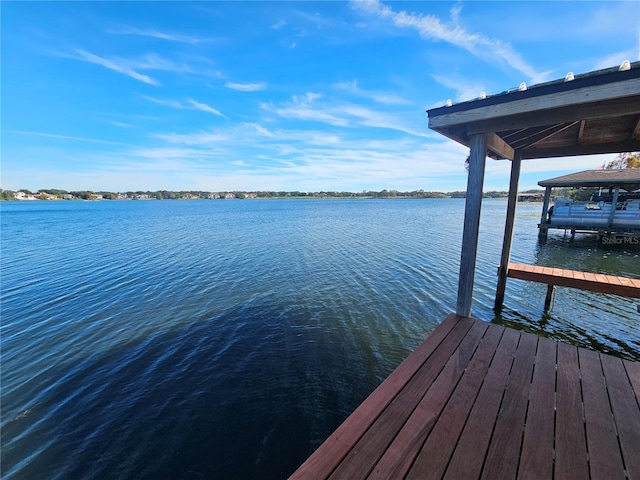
<point>67,137</point>
<point>246,87</point>
<point>465,90</point>
<point>386,98</point>
<point>156,34</point>
<point>432,28</point>
<point>116,67</point>
<point>190,105</point>
<point>301,108</point>
<point>306,107</point>
<point>119,124</point>
<point>206,139</point>
<point>615,59</point>
<point>204,107</point>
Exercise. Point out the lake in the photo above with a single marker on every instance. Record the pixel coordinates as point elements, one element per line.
<point>227,339</point>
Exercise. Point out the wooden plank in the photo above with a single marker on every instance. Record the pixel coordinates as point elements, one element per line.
<point>633,372</point>
<point>571,451</point>
<point>360,460</point>
<point>605,459</point>
<point>537,108</point>
<point>434,456</point>
<point>504,449</point>
<point>625,412</point>
<point>536,458</point>
<point>327,457</point>
<point>627,287</point>
<point>471,449</point>
<point>571,443</point>
<point>473,203</point>
<point>400,455</point>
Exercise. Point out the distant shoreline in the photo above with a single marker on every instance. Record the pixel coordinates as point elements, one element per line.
<point>60,195</point>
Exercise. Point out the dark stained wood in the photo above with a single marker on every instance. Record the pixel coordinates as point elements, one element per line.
<point>625,413</point>
<point>633,371</point>
<point>536,459</point>
<point>434,457</point>
<point>504,448</point>
<point>626,287</point>
<point>478,400</point>
<point>605,459</point>
<point>571,443</point>
<point>471,449</point>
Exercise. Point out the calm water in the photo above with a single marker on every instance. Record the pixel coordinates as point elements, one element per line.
<point>227,339</point>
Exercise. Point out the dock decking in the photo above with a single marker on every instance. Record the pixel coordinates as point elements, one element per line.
<point>480,401</point>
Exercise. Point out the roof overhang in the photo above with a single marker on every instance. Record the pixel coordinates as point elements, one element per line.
<point>597,112</point>
<point>626,178</point>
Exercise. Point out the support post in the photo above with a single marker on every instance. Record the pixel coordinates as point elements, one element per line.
<point>508,228</point>
<point>473,203</point>
<point>543,230</point>
<point>549,298</point>
<point>614,201</point>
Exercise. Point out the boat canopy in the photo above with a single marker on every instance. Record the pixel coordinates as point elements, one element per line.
<point>625,178</point>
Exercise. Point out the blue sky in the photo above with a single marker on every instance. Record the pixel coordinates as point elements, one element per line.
<point>306,96</point>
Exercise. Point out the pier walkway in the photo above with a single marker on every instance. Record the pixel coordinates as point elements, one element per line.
<point>480,401</point>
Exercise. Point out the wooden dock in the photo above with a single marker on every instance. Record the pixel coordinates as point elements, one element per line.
<point>480,401</point>
<point>595,282</point>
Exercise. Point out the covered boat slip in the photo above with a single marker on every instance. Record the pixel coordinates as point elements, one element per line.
<point>478,400</point>
<point>615,210</point>
<point>481,401</point>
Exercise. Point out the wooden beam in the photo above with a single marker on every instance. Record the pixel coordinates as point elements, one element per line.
<point>636,131</point>
<point>581,132</point>
<point>606,94</point>
<point>593,282</point>
<point>537,117</point>
<point>508,229</point>
<point>585,149</point>
<point>473,205</point>
<point>543,135</point>
<point>499,146</point>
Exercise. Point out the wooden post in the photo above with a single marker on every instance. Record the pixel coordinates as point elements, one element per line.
<point>549,298</point>
<point>473,203</point>
<point>542,232</point>
<point>614,201</point>
<point>508,228</point>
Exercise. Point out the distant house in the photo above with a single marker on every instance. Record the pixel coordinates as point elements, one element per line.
<point>531,197</point>
<point>24,196</point>
<point>46,196</point>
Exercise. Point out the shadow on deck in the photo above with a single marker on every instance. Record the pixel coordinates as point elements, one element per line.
<point>478,400</point>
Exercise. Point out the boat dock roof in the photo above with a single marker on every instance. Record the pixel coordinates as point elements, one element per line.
<point>623,177</point>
